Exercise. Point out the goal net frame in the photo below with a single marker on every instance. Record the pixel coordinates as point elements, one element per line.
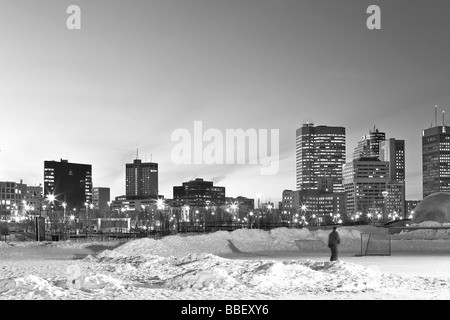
<point>369,239</point>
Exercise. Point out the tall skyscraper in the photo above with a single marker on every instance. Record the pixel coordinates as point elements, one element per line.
<point>320,155</point>
<point>68,182</point>
<point>369,145</point>
<point>141,179</point>
<point>436,160</point>
<point>393,151</point>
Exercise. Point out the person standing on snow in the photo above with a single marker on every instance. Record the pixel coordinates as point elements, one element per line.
<point>333,241</point>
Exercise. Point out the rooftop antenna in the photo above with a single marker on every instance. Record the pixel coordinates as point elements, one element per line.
<point>443,118</point>
<point>137,152</point>
<point>435,115</point>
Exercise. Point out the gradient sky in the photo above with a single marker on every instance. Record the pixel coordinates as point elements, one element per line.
<point>138,70</point>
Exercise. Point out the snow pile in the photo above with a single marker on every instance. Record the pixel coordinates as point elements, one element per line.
<point>178,245</point>
<point>208,272</point>
<point>30,287</point>
<point>425,234</point>
<point>244,240</point>
<point>426,224</point>
<point>191,267</point>
<point>77,244</point>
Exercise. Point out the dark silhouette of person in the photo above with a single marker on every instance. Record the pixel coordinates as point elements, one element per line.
<point>333,241</point>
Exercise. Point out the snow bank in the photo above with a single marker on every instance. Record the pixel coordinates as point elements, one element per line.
<point>425,234</point>
<point>426,224</point>
<point>190,267</point>
<point>179,245</point>
<point>279,239</point>
<point>246,241</point>
<point>116,276</point>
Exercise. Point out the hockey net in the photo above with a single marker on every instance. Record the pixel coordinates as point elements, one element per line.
<point>375,244</point>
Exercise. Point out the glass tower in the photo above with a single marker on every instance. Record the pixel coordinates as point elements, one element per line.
<point>320,155</point>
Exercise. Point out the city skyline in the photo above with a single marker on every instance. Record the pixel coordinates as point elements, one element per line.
<point>137,72</point>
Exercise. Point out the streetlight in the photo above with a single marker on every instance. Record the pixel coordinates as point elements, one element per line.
<point>186,212</point>
<point>385,195</point>
<point>233,207</point>
<point>51,199</point>
<point>64,214</point>
<point>251,215</point>
<point>86,204</point>
<point>64,217</point>
<point>303,208</point>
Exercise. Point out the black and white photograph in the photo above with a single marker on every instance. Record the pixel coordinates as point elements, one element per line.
<point>225,154</point>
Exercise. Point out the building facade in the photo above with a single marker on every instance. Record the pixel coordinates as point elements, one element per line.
<point>287,200</point>
<point>11,197</point>
<point>126,203</point>
<point>198,193</point>
<point>244,202</point>
<point>369,145</point>
<point>70,183</point>
<point>141,179</point>
<point>320,155</point>
<point>33,198</point>
<point>314,206</point>
<point>411,206</point>
<point>436,160</point>
<point>393,151</point>
<point>370,192</point>
<point>100,199</point>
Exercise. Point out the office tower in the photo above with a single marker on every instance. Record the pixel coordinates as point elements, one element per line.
<point>141,180</point>
<point>68,182</point>
<point>198,193</point>
<point>436,160</point>
<point>320,155</point>
<point>393,151</point>
<point>370,192</point>
<point>369,145</point>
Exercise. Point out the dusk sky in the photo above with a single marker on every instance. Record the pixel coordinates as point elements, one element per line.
<point>139,70</point>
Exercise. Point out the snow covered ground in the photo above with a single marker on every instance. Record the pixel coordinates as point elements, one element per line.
<point>246,264</point>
